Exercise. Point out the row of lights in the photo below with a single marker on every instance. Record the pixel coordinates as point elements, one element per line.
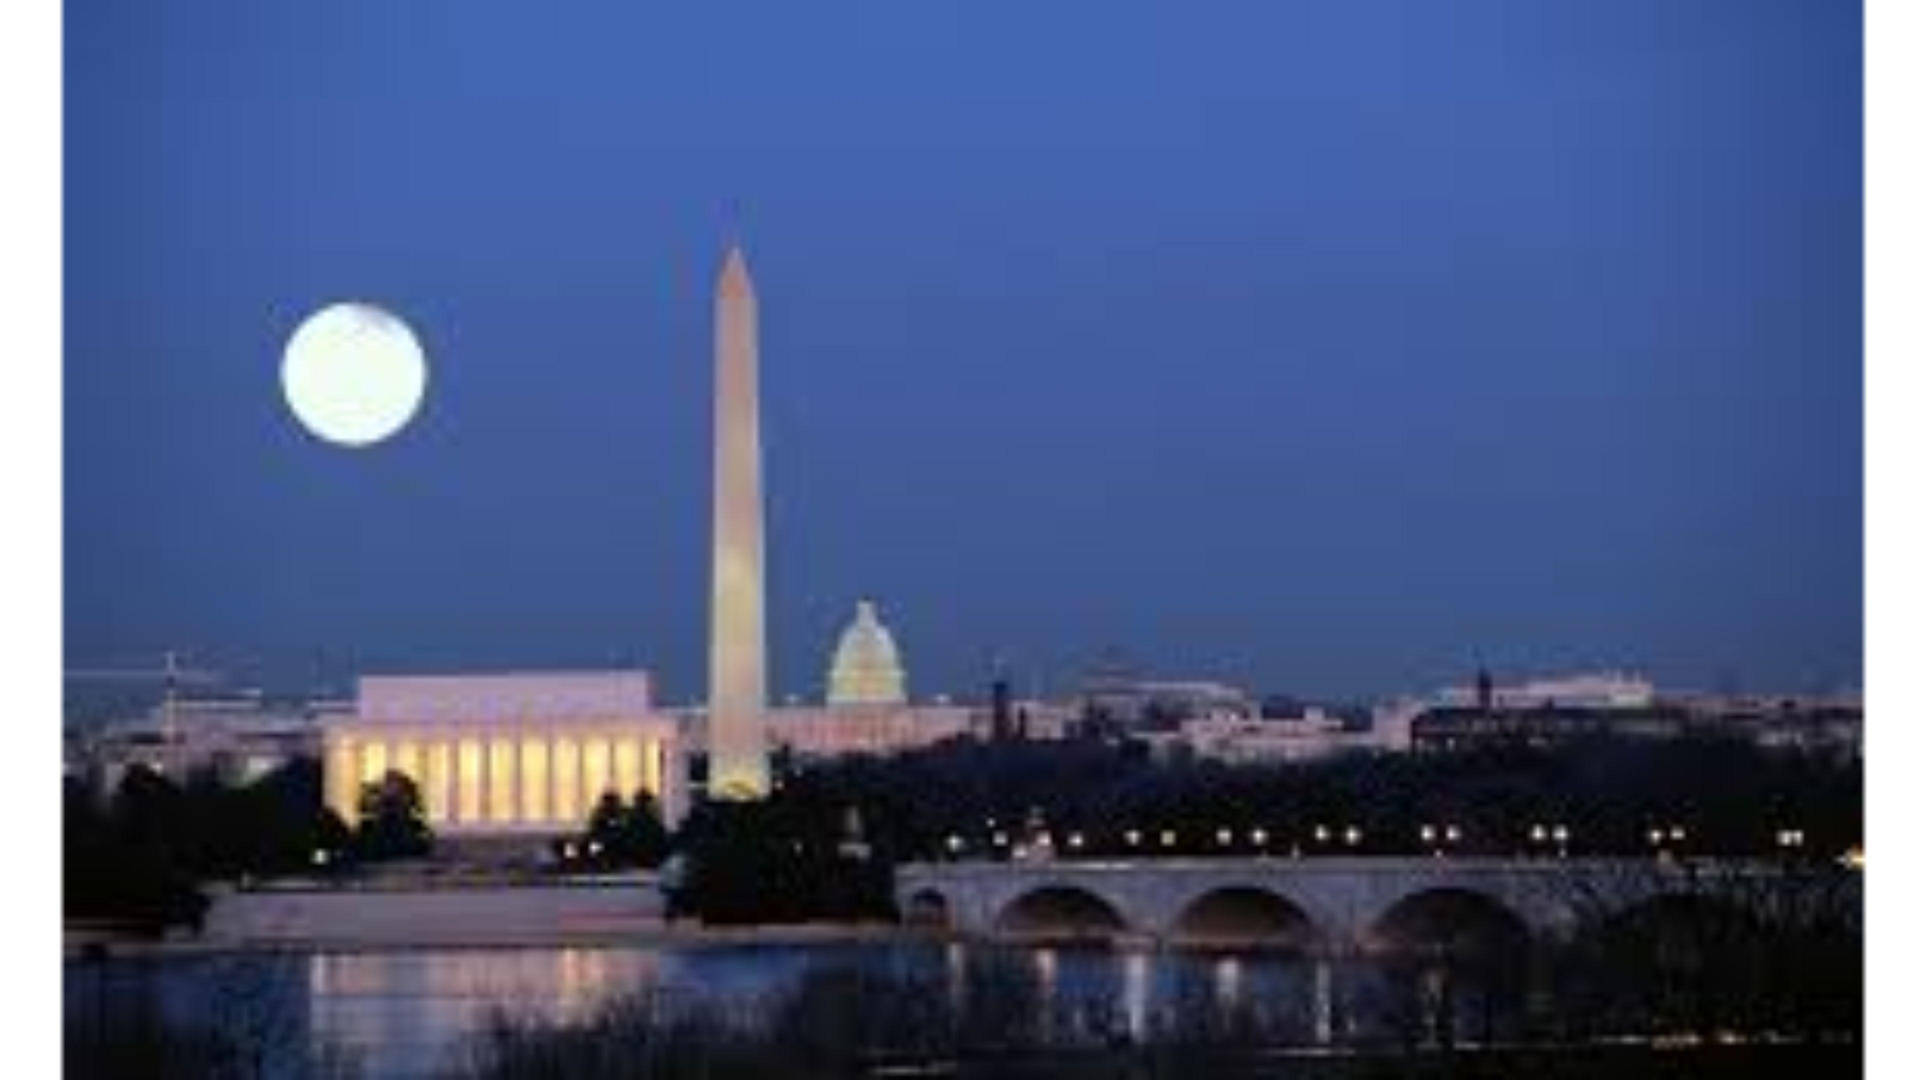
<point>1351,835</point>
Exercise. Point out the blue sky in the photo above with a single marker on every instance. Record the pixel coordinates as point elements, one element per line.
<point>1323,346</point>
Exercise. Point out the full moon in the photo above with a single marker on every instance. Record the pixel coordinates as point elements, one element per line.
<point>353,373</point>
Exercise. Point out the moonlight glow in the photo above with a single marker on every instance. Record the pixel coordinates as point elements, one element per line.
<point>353,373</point>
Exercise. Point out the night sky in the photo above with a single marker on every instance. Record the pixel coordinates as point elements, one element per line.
<point>1329,347</point>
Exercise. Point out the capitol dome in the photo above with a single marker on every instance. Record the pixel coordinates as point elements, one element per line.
<point>866,665</point>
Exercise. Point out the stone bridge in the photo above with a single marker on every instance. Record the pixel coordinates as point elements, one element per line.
<point>1315,903</point>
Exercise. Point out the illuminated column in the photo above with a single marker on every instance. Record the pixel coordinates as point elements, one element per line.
<point>566,781</point>
<point>406,761</point>
<point>343,777</point>
<point>373,764</point>
<point>626,766</point>
<point>438,793</point>
<point>653,769</point>
<point>473,780</point>
<point>595,771</point>
<point>501,786</point>
<point>533,778</point>
<point>736,658</point>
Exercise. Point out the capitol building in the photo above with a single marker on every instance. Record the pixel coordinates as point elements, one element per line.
<point>866,710</point>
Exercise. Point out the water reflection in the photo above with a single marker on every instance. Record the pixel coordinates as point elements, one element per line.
<point>408,1012</point>
<point>1226,981</point>
<point>1134,994</point>
<point>1322,1002</point>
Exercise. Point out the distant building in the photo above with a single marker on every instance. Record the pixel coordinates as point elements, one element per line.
<point>866,709</point>
<point>1312,734</point>
<point>525,754</point>
<point>1125,703</point>
<point>1464,727</point>
<point>1597,690</point>
<point>237,737</point>
<point>813,732</point>
<point>1549,712</point>
<point>866,664</point>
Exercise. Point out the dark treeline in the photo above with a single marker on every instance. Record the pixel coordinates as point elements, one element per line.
<point>139,854</point>
<point>1728,797</point>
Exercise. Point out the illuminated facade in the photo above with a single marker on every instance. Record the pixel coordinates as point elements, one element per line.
<point>866,666</point>
<point>827,731</point>
<point>506,754</point>
<point>737,646</point>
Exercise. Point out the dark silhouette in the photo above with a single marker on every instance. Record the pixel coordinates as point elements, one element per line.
<point>392,824</point>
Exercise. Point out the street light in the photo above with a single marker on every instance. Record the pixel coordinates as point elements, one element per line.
<point>1133,837</point>
<point>1353,835</point>
<point>1260,837</point>
<point>954,843</point>
<point>1074,840</point>
<point>1453,834</point>
<point>1426,834</point>
<point>1224,836</point>
<point>1167,837</point>
<point>1320,833</point>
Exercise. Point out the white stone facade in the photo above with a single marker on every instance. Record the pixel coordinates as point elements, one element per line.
<point>524,753</point>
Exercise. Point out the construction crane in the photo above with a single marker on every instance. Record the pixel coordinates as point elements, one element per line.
<point>170,675</point>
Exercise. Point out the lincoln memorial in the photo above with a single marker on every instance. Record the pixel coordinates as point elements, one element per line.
<point>524,754</point>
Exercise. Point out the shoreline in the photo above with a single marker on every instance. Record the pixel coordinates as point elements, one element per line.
<point>85,945</point>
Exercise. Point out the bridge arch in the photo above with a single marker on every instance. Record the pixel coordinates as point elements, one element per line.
<point>1060,912</point>
<point>929,908</point>
<point>1455,920</point>
<point>1239,915</point>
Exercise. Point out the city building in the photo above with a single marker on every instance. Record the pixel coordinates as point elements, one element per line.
<point>507,754</point>
<point>1123,702</point>
<point>866,664</point>
<point>1595,690</point>
<point>236,736</point>
<point>866,709</point>
<point>1548,712</point>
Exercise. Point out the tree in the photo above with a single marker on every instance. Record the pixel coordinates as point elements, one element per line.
<point>619,834</point>
<point>646,839</point>
<point>391,822</point>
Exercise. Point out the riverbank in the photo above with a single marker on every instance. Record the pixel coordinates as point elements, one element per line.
<point>392,915</point>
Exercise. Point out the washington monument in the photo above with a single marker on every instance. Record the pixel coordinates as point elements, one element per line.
<point>737,665</point>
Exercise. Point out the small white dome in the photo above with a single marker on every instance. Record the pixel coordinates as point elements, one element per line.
<point>866,665</point>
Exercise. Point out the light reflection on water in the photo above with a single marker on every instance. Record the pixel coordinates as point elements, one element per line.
<point>408,1012</point>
